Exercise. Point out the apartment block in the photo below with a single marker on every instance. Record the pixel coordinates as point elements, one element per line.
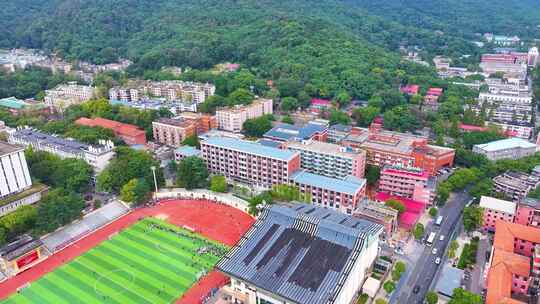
<point>337,132</point>
<point>515,129</point>
<point>496,210</point>
<point>510,148</point>
<point>343,195</point>
<point>528,212</point>
<point>171,90</point>
<point>387,148</point>
<point>515,185</point>
<point>409,182</point>
<point>329,160</point>
<point>232,118</point>
<point>249,162</point>
<point>97,156</point>
<point>130,134</point>
<point>173,132</point>
<point>61,97</point>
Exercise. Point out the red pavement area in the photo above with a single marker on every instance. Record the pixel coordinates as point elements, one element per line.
<point>213,220</point>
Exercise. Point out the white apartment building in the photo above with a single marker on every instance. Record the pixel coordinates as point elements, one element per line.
<point>171,90</point>
<point>506,96</point>
<point>516,129</point>
<point>97,156</point>
<point>61,97</point>
<point>232,118</point>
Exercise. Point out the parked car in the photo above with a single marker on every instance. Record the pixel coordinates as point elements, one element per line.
<point>434,251</point>
<point>441,238</point>
<point>437,261</point>
<point>416,289</point>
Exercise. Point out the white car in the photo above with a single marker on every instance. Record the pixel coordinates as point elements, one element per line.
<point>437,261</point>
<point>441,238</point>
<point>434,251</point>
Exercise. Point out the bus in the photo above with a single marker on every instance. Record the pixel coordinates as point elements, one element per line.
<point>438,221</point>
<point>430,239</point>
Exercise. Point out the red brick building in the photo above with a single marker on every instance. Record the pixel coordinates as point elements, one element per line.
<point>130,134</point>
<point>388,148</point>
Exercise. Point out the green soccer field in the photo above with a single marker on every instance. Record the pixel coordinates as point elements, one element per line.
<point>150,262</point>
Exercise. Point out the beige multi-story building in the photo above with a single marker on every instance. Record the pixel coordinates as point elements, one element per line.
<point>173,132</point>
<point>328,159</point>
<point>65,95</point>
<point>172,90</point>
<point>232,118</point>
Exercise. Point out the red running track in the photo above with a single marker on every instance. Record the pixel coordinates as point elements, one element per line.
<point>213,220</point>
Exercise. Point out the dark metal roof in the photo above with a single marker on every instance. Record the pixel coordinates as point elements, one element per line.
<point>19,247</point>
<point>300,252</point>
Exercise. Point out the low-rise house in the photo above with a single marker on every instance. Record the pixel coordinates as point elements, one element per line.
<point>130,134</point>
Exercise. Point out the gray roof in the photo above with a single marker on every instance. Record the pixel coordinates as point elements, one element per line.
<point>349,185</point>
<point>300,252</point>
<point>508,143</point>
<point>6,148</point>
<point>449,280</point>
<point>188,151</point>
<point>250,148</point>
<point>286,132</point>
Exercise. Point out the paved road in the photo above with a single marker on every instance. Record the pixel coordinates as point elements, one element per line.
<point>424,271</point>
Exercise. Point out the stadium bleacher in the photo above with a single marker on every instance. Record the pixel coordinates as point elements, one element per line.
<point>67,235</point>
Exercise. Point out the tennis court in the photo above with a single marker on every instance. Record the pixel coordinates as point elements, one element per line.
<point>152,261</point>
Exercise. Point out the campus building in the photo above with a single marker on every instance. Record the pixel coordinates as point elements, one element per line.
<point>173,132</point>
<point>249,162</point>
<point>97,156</point>
<point>61,97</point>
<point>515,185</point>
<point>287,132</point>
<point>514,264</point>
<point>279,260</point>
<point>514,128</point>
<point>130,134</point>
<point>387,148</point>
<point>203,122</point>
<point>510,148</point>
<point>17,106</point>
<point>21,254</point>
<point>185,151</point>
<point>408,182</point>
<point>16,187</point>
<point>232,118</point>
<point>528,212</point>
<point>340,194</point>
<point>378,213</point>
<point>328,159</point>
<point>337,132</point>
<point>496,210</point>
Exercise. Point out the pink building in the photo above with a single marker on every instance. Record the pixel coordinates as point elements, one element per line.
<point>320,103</point>
<point>249,162</point>
<point>528,212</point>
<point>413,209</point>
<point>340,194</point>
<point>408,182</point>
<point>495,210</point>
<point>232,118</point>
<point>510,275</point>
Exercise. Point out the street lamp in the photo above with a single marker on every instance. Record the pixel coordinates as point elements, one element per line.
<point>155,181</point>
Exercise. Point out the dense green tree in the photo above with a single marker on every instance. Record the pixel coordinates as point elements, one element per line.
<point>389,286</point>
<point>338,117</point>
<point>396,205</point>
<point>256,127</point>
<point>401,119</point>
<point>287,193</point>
<point>17,222</point>
<point>289,104</point>
<point>58,208</point>
<point>433,212</point>
<point>192,173</point>
<point>136,191</point>
<point>365,116</point>
<point>218,183</point>
<point>472,218</point>
<point>432,297</point>
<point>192,141</point>
<point>418,231</point>
<point>132,164</point>
<point>240,97</point>
<point>256,202</point>
<point>343,99</point>
<point>287,119</point>
<point>372,174</point>
<point>461,296</point>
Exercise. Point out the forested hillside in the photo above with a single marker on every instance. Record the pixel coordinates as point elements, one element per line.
<point>334,44</point>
